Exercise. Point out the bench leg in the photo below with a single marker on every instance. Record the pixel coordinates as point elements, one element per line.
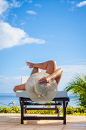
<point>25,108</point>
<point>22,111</point>
<point>56,109</point>
<point>64,112</point>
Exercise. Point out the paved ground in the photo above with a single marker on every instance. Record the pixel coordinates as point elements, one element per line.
<point>12,122</point>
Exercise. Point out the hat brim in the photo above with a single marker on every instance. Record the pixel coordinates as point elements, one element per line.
<point>49,96</point>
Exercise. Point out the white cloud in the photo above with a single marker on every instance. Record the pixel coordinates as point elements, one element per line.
<point>72,8</point>
<point>73,5</point>
<point>30,1</point>
<point>22,23</point>
<point>9,81</point>
<point>62,1</point>
<point>11,36</point>
<point>14,15</point>
<point>73,69</point>
<point>31,12</point>
<point>38,5</point>
<point>81,4</point>
<point>71,2</point>
<point>15,4</point>
<point>16,77</point>
<point>24,68</point>
<point>4,5</point>
<point>14,18</point>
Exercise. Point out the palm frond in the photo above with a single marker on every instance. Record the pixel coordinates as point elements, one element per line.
<point>78,87</point>
<point>78,83</point>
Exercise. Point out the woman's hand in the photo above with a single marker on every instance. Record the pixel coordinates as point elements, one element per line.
<point>43,80</point>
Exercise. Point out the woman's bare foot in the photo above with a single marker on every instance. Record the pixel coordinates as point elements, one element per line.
<point>31,65</point>
<point>15,89</point>
<point>19,87</point>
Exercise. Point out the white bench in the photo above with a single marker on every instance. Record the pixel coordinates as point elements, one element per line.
<point>60,99</point>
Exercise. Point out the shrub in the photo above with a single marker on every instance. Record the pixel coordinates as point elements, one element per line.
<point>69,110</point>
<point>15,109</point>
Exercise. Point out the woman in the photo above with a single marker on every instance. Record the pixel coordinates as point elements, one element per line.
<point>50,67</point>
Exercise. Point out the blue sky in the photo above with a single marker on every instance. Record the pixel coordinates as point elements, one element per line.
<point>41,30</point>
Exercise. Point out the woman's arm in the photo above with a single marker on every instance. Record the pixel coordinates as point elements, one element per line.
<point>54,75</point>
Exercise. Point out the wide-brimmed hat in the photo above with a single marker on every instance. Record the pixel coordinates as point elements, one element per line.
<point>40,93</point>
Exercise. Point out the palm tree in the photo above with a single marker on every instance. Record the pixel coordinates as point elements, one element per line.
<point>78,87</point>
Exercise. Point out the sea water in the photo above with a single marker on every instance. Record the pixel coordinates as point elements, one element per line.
<point>9,99</point>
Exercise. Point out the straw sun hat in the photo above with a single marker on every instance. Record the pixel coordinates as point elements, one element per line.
<point>40,93</point>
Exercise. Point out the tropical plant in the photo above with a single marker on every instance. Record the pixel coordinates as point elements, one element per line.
<point>78,88</point>
<point>70,110</point>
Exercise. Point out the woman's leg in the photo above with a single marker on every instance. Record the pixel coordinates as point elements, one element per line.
<point>22,86</point>
<point>53,71</point>
<point>50,67</point>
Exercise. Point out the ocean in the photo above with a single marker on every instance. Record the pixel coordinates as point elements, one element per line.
<point>9,99</point>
